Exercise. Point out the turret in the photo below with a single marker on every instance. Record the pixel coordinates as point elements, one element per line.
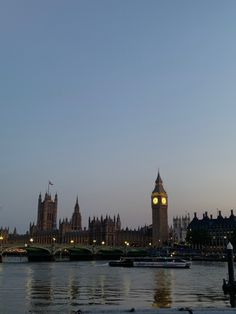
<point>76,217</point>
<point>40,199</point>
<point>118,222</point>
<point>55,199</point>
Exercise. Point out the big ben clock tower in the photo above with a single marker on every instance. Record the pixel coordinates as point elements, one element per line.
<point>159,200</point>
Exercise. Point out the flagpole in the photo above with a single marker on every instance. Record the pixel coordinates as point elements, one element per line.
<point>49,183</point>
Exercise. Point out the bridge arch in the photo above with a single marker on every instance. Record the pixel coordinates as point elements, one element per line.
<point>46,249</point>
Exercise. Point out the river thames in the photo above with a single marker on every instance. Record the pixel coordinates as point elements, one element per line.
<point>66,287</point>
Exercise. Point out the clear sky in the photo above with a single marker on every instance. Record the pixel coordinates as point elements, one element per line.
<point>97,95</point>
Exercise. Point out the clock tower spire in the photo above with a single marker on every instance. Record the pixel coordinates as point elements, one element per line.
<point>159,200</point>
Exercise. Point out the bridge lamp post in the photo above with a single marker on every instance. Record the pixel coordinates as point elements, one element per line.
<point>126,247</point>
<point>1,239</point>
<point>72,242</point>
<point>31,241</point>
<point>94,243</point>
<point>53,245</point>
<point>103,243</point>
<point>53,242</point>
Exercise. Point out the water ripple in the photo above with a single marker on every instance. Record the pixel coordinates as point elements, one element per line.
<point>63,287</point>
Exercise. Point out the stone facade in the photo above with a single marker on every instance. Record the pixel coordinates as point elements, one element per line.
<point>47,213</point>
<point>104,230</point>
<point>180,227</point>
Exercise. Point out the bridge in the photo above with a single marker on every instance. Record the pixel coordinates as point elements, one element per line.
<point>49,252</point>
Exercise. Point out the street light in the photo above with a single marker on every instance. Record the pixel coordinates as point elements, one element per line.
<point>126,246</point>
<point>94,242</point>
<point>53,248</point>
<point>1,239</point>
<point>103,242</point>
<point>31,240</point>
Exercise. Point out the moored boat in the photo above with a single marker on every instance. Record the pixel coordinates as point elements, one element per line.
<point>154,262</point>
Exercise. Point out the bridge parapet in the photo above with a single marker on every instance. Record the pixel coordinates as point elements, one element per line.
<point>55,248</point>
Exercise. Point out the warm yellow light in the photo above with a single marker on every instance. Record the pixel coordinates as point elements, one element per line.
<point>54,239</point>
<point>1,238</point>
<point>150,243</point>
<point>71,241</point>
<point>103,242</point>
<point>31,240</point>
<point>94,241</point>
<point>155,200</point>
<point>163,200</point>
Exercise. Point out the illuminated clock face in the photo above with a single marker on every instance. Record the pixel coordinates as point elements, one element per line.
<point>155,200</point>
<point>163,200</point>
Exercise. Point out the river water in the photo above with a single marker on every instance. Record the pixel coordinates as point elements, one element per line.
<point>66,287</point>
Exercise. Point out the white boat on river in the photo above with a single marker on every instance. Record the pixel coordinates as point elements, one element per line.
<point>154,262</point>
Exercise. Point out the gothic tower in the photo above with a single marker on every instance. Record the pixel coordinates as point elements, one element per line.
<point>47,213</point>
<point>159,200</point>
<point>76,217</point>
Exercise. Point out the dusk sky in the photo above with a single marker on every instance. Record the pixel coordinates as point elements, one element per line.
<point>96,96</point>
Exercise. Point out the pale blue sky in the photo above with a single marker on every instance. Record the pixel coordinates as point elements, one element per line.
<point>97,95</point>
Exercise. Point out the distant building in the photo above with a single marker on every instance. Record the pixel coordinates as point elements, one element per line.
<point>101,231</point>
<point>4,233</point>
<point>135,237</point>
<point>211,233</point>
<point>47,213</point>
<point>180,227</point>
<point>46,228</point>
<point>74,224</point>
<point>108,231</point>
<point>159,198</point>
<point>104,230</point>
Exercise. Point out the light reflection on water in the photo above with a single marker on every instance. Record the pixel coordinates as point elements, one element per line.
<point>69,286</point>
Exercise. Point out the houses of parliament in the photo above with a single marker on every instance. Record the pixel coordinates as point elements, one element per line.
<point>105,230</point>
<point>101,230</point>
